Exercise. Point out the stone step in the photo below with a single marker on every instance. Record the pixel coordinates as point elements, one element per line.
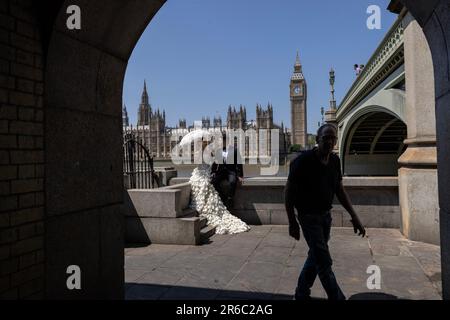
<point>203,222</point>
<point>207,232</point>
<point>188,212</point>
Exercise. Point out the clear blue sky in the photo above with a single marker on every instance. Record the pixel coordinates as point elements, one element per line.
<point>199,56</point>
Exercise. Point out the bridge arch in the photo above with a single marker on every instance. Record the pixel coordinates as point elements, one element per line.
<point>372,142</point>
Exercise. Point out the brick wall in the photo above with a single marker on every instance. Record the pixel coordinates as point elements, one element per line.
<point>21,153</point>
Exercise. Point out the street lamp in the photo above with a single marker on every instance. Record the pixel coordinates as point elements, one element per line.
<point>332,77</point>
<point>321,112</point>
<point>332,101</point>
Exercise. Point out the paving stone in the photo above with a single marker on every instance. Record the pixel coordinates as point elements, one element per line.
<point>236,247</point>
<point>216,240</point>
<point>296,260</point>
<point>404,278</point>
<point>278,255</point>
<point>184,261</point>
<point>161,276</point>
<point>278,239</point>
<point>156,249</point>
<point>216,271</point>
<point>258,277</point>
<point>428,256</point>
<point>146,262</point>
<point>280,229</point>
<point>288,281</point>
<point>265,263</point>
<point>131,275</point>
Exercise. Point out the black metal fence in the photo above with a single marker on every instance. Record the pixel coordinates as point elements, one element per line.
<point>138,166</point>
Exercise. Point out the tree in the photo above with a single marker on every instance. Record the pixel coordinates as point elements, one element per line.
<point>295,148</point>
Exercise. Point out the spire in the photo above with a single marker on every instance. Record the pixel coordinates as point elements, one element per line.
<point>144,98</point>
<point>298,65</point>
<point>298,74</point>
<point>125,120</point>
<point>297,60</point>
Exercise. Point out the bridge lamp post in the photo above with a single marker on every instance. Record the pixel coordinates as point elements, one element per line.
<point>330,114</point>
<point>332,101</point>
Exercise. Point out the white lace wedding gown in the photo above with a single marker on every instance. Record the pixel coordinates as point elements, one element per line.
<point>207,202</point>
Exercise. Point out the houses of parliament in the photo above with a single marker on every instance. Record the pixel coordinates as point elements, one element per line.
<point>152,131</point>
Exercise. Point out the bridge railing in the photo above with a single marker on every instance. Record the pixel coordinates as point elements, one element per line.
<point>386,58</point>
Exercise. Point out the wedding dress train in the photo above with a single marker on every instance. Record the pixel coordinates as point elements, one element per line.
<point>207,202</point>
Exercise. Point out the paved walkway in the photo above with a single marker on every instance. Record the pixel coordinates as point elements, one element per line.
<point>264,263</point>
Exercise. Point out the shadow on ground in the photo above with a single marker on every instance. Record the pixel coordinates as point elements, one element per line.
<point>373,296</point>
<point>137,291</point>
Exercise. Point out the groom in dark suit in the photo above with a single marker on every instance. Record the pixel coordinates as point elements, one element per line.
<point>226,174</point>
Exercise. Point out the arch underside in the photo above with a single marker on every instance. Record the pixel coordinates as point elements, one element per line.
<point>374,144</point>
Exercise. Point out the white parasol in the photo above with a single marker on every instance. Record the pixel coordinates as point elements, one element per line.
<point>195,136</point>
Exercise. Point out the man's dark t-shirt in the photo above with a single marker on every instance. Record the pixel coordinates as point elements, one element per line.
<point>315,183</point>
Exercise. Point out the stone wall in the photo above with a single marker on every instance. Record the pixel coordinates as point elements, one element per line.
<point>375,199</point>
<point>21,153</point>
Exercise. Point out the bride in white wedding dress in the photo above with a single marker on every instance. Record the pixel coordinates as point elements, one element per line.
<point>206,200</point>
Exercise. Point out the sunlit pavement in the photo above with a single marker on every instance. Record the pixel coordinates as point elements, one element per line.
<point>265,262</point>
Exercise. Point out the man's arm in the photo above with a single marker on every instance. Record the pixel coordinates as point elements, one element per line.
<point>343,198</point>
<point>289,196</point>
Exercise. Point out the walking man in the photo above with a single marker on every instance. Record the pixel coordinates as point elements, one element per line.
<point>314,178</point>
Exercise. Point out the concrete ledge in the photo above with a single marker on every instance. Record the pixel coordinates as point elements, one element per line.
<point>278,181</point>
<point>185,193</point>
<point>183,231</point>
<point>156,202</point>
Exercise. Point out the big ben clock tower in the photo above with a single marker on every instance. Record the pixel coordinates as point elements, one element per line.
<point>298,105</point>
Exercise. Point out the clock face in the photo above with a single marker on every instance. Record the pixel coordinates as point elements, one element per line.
<point>297,89</point>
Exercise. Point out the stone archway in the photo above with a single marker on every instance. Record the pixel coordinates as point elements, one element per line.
<point>434,18</point>
<point>84,184</point>
<point>81,78</point>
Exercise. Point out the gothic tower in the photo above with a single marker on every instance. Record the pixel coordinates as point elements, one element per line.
<point>298,105</point>
<point>145,110</point>
<point>218,122</point>
<point>236,119</point>
<point>125,120</point>
<point>264,118</point>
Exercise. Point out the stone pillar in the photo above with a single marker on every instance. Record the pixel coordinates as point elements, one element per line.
<point>418,164</point>
<point>330,117</point>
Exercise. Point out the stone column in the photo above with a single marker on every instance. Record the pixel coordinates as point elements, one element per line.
<point>418,164</point>
<point>330,117</point>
